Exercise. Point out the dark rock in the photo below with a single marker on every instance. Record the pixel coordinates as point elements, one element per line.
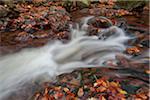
<point>3,11</point>
<point>100,22</point>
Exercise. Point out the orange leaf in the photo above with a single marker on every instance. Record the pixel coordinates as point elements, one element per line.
<point>114,84</point>
<point>58,95</point>
<point>101,89</point>
<point>147,71</point>
<point>102,97</point>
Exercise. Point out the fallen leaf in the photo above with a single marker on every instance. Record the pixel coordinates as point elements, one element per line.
<point>80,92</point>
<point>101,89</point>
<point>147,71</point>
<point>114,84</point>
<point>103,98</point>
<point>133,50</point>
<point>58,95</point>
<point>142,95</point>
<point>66,90</point>
<point>121,91</point>
<point>57,88</point>
<point>92,89</point>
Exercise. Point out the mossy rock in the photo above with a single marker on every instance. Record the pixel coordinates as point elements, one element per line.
<point>130,4</point>
<point>70,4</point>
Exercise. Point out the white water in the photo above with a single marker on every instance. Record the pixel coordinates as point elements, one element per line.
<point>57,58</point>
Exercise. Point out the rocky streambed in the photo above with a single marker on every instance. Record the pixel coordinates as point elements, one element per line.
<point>36,25</point>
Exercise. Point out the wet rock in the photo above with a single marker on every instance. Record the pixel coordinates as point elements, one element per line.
<point>40,34</point>
<point>38,1</point>
<point>100,22</point>
<point>65,35</point>
<point>92,30</point>
<point>58,19</point>
<point>4,11</point>
<point>145,43</point>
<point>22,36</point>
<point>132,5</point>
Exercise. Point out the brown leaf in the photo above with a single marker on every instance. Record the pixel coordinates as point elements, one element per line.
<point>80,92</point>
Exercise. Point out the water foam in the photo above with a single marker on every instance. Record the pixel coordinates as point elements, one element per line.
<point>56,57</point>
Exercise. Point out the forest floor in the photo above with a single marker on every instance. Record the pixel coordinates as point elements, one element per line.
<point>33,24</point>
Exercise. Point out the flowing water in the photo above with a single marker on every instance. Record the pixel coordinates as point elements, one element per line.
<point>56,57</point>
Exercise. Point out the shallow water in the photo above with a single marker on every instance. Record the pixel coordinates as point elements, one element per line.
<point>56,57</point>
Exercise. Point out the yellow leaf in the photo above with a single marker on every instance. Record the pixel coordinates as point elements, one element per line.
<point>122,91</point>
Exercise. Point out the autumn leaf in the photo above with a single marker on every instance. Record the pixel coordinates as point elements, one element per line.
<point>80,92</point>
<point>66,90</point>
<point>147,71</point>
<point>58,95</point>
<point>133,50</point>
<point>121,91</point>
<point>101,89</point>
<point>114,84</point>
<point>102,98</point>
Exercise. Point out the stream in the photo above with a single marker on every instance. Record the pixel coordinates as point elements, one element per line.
<point>24,63</point>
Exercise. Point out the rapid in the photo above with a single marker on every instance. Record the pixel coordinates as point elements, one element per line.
<point>57,57</point>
